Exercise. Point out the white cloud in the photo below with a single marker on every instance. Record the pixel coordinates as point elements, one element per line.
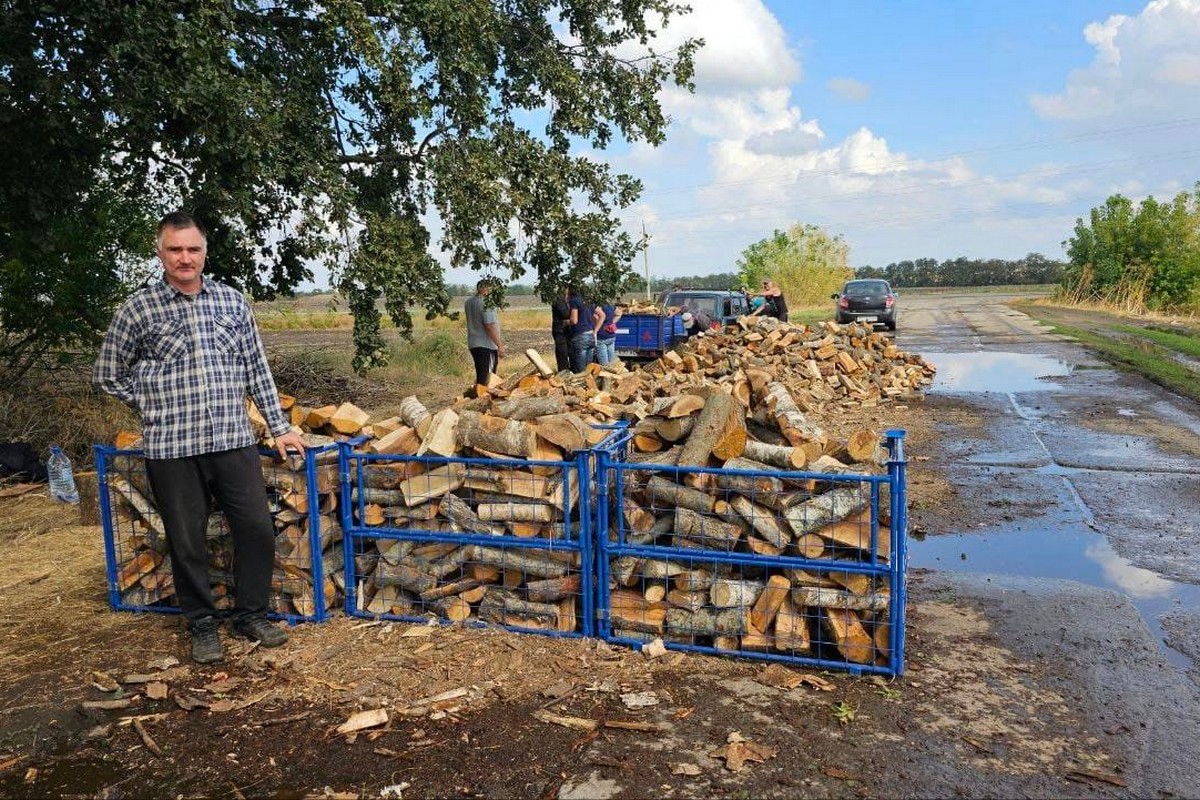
<point>745,46</point>
<point>1144,65</point>
<point>849,89</point>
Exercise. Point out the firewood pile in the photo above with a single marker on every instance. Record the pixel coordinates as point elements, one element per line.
<point>534,497</point>
<point>833,367</point>
<point>736,603</point>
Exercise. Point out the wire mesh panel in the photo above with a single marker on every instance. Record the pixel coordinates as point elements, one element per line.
<point>783,565</point>
<point>302,496</point>
<point>469,540</point>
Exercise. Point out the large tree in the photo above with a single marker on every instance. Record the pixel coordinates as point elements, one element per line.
<point>361,134</point>
<point>806,262</point>
<point>1140,257</point>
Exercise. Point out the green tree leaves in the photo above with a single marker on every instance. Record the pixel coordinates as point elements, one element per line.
<point>806,262</point>
<point>368,137</point>
<point>1138,257</point>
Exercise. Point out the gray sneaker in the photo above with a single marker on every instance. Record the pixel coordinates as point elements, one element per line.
<point>206,641</point>
<point>255,627</point>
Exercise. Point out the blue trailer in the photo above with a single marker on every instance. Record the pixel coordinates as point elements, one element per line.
<point>647,336</point>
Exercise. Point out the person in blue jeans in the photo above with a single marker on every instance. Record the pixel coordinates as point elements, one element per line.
<point>606,334</point>
<point>584,319</point>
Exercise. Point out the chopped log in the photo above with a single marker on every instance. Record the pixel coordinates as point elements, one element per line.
<point>639,520</point>
<point>734,592</point>
<point>348,419</point>
<point>624,570</point>
<point>656,569</point>
<point>402,441</point>
<point>863,445</point>
<point>708,531</point>
<point>403,514</point>
<point>565,431</point>
<point>787,458</point>
<point>526,408</point>
<point>389,475</point>
<point>710,431</point>
<point>697,580</point>
<point>630,610</point>
<point>810,545</point>
<point>768,603</point>
<point>731,441</point>
<point>449,589</point>
<point>749,485</point>
<point>148,513</point>
<point>855,532</point>
<point>404,576</point>
<point>821,510</point>
<point>133,570</point>
<point>762,520</point>
<point>849,636</point>
<point>464,519</point>
<point>762,547</point>
<point>689,600</point>
<point>392,551</point>
<point>662,490</point>
<point>319,417</point>
<point>655,593</point>
<point>389,600</point>
<point>673,430</point>
<point>506,608</point>
<point>372,515</point>
<point>435,483</point>
<point>791,629</point>
<point>497,435</point>
<point>518,561</point>
<point>685,406</point>
<point>706,622</point>
<point>551,590</point>
<point>415,415</point>
<point>515,512</point>
<point>855,582</point>
<point>441,436</point>
<point>454,609</point>
<point>837,598</point>
<point>792,423</point>
<point>538,362</point>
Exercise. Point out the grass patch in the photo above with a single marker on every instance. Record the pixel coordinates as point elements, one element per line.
<point>1186,343</point>
<point>1144,358</point>
<point>809,316</point>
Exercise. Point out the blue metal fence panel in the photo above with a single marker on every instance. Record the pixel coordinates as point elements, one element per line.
<point>776,565</point>
<point>475,541</point>
<point>302,496</point>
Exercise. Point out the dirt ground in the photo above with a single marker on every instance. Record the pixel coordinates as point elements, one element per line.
<point>1013,686</point>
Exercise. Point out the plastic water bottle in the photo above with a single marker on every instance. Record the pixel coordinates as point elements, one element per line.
<point>62,479</point>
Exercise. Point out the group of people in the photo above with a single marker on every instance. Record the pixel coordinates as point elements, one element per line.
<point>583,331</point>
<point>769,302</point>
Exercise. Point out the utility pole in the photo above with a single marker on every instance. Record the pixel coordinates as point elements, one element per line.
<point>646,258</point>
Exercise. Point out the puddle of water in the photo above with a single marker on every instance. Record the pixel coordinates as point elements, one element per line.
<point>990,371</point>
<point>1075,555</point>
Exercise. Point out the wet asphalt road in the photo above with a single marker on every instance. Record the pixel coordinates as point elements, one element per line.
<point>1092,569</point>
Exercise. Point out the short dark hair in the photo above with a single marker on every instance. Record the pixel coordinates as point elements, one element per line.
<point>483,283</point>
<point>178,220</point>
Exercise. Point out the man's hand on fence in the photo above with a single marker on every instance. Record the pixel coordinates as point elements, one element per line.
<point>290,440</point>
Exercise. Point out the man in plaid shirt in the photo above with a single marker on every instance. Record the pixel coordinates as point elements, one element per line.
<point>184,353</point>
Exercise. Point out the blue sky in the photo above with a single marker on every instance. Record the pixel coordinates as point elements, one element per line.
<point>917,129</point>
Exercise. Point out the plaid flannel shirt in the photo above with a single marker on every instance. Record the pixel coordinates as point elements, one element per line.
<point>185,363</point>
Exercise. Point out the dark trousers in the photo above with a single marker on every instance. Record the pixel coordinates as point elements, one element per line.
<point>562,352</point>
<point>485,363</point>
<point>185,489</point>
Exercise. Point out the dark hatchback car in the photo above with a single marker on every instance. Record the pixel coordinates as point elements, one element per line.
<point>869,300</point>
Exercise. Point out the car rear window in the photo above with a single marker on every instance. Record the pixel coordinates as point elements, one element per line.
<point>692,303</point>
<point>867,287</point>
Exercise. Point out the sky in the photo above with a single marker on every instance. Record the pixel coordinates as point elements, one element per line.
<point>915,128</point>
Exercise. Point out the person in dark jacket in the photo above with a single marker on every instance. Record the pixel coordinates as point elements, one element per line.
<point>585,316</point>
<point>560,329</point>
